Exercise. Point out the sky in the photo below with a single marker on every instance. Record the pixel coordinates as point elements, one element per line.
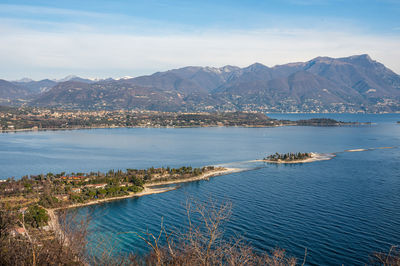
<point>100,39</point>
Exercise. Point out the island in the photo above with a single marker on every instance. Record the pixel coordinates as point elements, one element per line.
<point>299,157</point>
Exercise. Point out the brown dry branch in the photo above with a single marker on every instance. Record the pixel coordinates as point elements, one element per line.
<point>392,258</point>
<point>39,247</point>
<point>203,242</point>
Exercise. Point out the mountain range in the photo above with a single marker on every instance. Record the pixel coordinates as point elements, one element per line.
<point>351,84</point>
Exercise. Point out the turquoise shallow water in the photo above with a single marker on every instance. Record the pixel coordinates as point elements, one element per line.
<point>340,210</point>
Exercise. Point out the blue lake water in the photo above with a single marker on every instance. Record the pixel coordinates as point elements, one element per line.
<point>340,210</point>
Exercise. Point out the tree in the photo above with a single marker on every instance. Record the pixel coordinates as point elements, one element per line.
<point>101,192</point>
<point>203,242</point>
<point>92,194</point>
<point>48,201</point>
<point>136,181</point>
<point>36,216</point>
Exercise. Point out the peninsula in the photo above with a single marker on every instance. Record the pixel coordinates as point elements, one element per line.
<point>65,190</point>
<point>27,119</point>
<point>38,197</point>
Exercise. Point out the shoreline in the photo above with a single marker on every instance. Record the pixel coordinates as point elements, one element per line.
<point>111,127</point>
<point>149,188</point>
<point>315,157</point>
<point>200,126</point>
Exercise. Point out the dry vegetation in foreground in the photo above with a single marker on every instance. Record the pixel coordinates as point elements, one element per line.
<point>202,243</point>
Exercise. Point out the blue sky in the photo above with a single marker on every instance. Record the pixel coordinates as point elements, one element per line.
<point>117,38</point>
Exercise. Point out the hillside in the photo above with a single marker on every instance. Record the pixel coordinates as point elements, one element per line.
<point>11,93</point>
<point>350,84</point>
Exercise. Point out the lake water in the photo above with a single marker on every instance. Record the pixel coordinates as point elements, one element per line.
<point>340,210</point>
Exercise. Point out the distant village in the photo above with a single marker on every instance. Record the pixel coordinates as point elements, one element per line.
<point>38,118</point>
<point>28,118</point>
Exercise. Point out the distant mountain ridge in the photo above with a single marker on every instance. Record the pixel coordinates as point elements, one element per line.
<point>323,84</point>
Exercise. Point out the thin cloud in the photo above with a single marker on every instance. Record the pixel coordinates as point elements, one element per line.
<point>47,19</point>
<point>41,10</point>
<point>36,54</point>
<point>104,45</point>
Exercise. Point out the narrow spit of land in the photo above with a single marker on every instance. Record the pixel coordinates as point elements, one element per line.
<point>155,187</point>
<point>148,189</point>
<point>40,197</point>
<point>58,191</point>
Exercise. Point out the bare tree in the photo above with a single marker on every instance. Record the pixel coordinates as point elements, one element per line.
<point>392,258</point>
<point>38,247</point>
<point>203,242</point>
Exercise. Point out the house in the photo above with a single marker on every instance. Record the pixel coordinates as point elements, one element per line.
<point>96,186</point>
<point>62,197</point>
<point>18,231</point>
<point>74,178</point>
<point>76,190</point>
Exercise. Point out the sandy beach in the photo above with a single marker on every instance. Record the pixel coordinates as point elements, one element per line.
<point>356,150</point>
<point>370,149</point>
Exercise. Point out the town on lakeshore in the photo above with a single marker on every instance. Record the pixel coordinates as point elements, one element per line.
<point>27,118</point>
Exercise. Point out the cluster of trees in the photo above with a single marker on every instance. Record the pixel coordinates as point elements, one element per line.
<point>36,216</point>
<point>201,119</point>
<point>48,201</point>
<point>162,173</point>
<point>100,193</point>
<point>288,156</point>
<point>321,122</point>
<point>51,189</point>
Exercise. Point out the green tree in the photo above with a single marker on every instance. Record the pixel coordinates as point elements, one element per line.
<point>48,201</point>
<point>36,216</point>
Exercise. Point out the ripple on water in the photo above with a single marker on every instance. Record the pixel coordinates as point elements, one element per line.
<point>341,210</point>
